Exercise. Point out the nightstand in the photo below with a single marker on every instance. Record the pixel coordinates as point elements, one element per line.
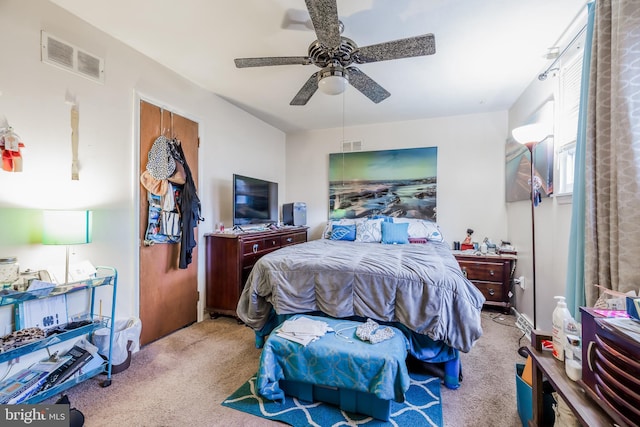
<point>492,274</point>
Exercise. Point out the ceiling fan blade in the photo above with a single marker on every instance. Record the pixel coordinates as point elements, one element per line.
<point>306,92</point>
<point>366,85</point>
<point>403,48</point>
<point>273,60</point>
<point>324,15</point>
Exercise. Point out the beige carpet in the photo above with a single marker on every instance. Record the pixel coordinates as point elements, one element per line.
<point>181,380</point>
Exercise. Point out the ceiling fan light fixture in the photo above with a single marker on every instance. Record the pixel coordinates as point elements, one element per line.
<point>333,80</point>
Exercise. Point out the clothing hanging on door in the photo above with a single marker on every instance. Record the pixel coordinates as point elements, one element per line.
<point>173,215</point>
<point>189,207</point>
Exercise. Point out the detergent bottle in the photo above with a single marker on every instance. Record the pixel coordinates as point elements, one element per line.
<point>560,314</point>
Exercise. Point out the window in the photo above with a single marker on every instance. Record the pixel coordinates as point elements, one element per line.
<point>569,108</point>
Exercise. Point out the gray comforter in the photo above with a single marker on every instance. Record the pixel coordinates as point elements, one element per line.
<point>418,285</point>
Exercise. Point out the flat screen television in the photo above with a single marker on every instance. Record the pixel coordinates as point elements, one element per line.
<point>255,201</point>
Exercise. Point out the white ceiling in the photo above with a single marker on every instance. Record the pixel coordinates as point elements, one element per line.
<point>487,52</point>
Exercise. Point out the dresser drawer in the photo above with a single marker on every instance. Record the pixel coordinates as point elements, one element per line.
<point>487,271</point>
<point>492,291</point>
<point>292,239</point>
<point>272,243</point>
<point>491,274</point>
<point>252,246</point>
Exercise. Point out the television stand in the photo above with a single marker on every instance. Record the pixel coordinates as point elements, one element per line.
<point>230,257</point>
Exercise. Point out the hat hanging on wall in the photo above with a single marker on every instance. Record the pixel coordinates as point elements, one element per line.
<point>155,186</point>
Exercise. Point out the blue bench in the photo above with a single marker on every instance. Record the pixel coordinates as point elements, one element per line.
<point>338,368</point>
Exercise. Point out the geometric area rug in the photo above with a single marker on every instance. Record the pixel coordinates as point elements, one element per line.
<point>421,407</point>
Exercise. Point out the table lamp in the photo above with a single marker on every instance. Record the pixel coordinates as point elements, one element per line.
<point>66,228</point>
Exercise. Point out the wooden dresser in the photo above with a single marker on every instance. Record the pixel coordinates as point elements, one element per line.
<point>492,275</point>
<point>230,258</point>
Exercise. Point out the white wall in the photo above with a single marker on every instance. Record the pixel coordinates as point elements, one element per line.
<point>552,224</point>
<point>471,156</point>
<point>33,100</point>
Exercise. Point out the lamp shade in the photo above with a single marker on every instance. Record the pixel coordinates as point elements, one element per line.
<point>535,132</point>
<point>66,227</point>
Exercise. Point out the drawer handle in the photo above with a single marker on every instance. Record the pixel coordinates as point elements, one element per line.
<point>491,273</point>
<point>289,239</point>
<point>590,355</point>
<point>464,271</point>
<point>492,292</point>
<point>273,243</point>
<point>255,248</point>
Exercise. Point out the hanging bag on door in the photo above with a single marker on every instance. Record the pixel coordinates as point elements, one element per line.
<point>160,163</point>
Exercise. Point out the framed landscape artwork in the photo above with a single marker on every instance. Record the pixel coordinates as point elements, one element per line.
<point>398,183</point>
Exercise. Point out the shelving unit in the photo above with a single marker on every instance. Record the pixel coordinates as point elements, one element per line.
<point>105,276</point>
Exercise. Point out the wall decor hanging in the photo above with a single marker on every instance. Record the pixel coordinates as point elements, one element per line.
<point>400,183</point>
<point>518,170</point>
<point>518,159</point>
<point>10,146</point>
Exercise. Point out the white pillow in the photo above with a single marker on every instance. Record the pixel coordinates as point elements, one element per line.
<point>369,231</point>
<point>326,234</point>
<point>420,228</point>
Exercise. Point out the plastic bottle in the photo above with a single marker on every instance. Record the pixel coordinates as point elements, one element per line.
<point>573,357</point>
<point>560,314</point>
<point>573,349</point>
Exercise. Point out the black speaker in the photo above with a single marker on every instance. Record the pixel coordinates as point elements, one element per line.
<point>294,213</point>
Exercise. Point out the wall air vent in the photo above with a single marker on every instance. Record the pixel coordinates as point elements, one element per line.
<point>63,55</point>
<point>351,146</point>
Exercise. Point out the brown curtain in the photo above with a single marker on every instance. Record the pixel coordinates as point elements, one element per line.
<point>612,151</point>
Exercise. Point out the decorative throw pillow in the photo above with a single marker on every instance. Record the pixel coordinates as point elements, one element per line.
<point>420,228</point>
<point>369,231</point>
<point>343,232</point>
<point>326,234</point>
<point>395,233</point>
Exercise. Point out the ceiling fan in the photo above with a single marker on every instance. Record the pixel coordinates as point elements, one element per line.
<point>335,55</point>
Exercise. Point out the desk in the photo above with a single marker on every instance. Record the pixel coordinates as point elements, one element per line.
<point>544,364</point>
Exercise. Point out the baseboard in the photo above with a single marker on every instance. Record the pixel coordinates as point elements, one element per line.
<point>523,323</point>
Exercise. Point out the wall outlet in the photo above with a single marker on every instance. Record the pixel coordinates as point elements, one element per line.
<point>520,282</point>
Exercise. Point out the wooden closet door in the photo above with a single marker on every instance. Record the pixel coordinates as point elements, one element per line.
<point>168,295</point>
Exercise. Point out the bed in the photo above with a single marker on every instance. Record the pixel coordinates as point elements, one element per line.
<point>418,288</point>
